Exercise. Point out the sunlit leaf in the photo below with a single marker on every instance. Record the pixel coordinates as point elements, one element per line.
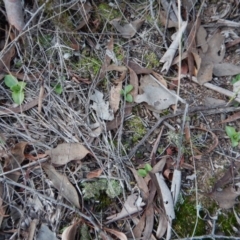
<point>142,172</point>
<point>22,85</point>
<point>58,89</point>
<point>129,98</point>
<point>230,131</point>
<point>148,167</point>
<point>18,97</point>
<point>128,88</point>
<point>10,80</point>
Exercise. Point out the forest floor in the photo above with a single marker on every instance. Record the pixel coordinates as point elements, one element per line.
<point>120,120</point>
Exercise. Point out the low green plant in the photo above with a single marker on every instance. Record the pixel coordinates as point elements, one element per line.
<point>234,136</point>
<point>126,93</point>
<point>58,88</point>
<point>17,88</point>
<point>93,189</point>
<point>236,79</point>
<point>142,172</point>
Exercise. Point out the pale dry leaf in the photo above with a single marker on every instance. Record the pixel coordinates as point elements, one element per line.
<point>155,95</point>
<point>226,198</point>
<point>114,67</point>
<point>94,174</point>
<point>129,207</point>
<point>160,78</point>
<point>138,229</point>
<point>116,233</point>
<point>149,222</point>
<point>70,232</point>
<point>231,172</point>
<point>225,69</point>
<point>141,184</point>
<point>129,29</point>
<point>176,185</point>
<point>201,39</point>
<point>158,167</point>
<point>45,233</point>
<point>167,22</point>
<point>101,107</point>
<point>67,152</point>
<point>137,68</point>
<point>62,184</point>
<point>162,226</point>
<point>214,102</point>
<point>205,72</point>
<point>14,11</point>
<point>168,56</point>
<point>115,96</point>
<point>214,54</point>
<point>6,59</point>
<point>167,196</point>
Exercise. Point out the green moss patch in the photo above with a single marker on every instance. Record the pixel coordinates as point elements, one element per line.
<point>151,60</point>
<point>136,128</point>
<point>186,217</point>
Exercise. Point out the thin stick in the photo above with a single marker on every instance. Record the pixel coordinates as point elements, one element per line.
<point>25,166</point>
<point>208,111</point>
<point>52,200</point>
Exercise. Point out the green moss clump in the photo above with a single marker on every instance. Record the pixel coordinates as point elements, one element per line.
<point>85,232</point>
<point>107,13</point>
<point>89,65</point>
<point>151,60</point>
<point>95,189</point>
<point>136,126</point>
<point>119,53</point>
<point>226,221</point>
<point>186,217</point>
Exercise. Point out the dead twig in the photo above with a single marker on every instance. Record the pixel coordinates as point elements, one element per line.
<point>207,111</point>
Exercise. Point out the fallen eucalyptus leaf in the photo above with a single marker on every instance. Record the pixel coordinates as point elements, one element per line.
<point>225,69</point>
<point>154,94</point>
<point>129,29</point>
<point>101,107</point>
<point>67,152</point>
<point>129,208</point>
<point>62,184</point>
<point>226,197</point>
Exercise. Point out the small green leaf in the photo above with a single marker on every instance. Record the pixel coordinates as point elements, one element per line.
<point>122,92</point>
<point>18,97</point>
<point>16,88</point>
<point>129,98</point>
<point>230,131</point>
<point>142,172</point>
<point>148,167</point>
<point>10,80</point>
<point>58,89</point>
<point>234,143</point>
<point>236,79</point>
<point>238,137</point>
<point>128,88</point>
<point>22,85</point>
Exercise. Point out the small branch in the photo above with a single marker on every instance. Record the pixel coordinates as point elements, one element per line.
<point>170,53</point>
